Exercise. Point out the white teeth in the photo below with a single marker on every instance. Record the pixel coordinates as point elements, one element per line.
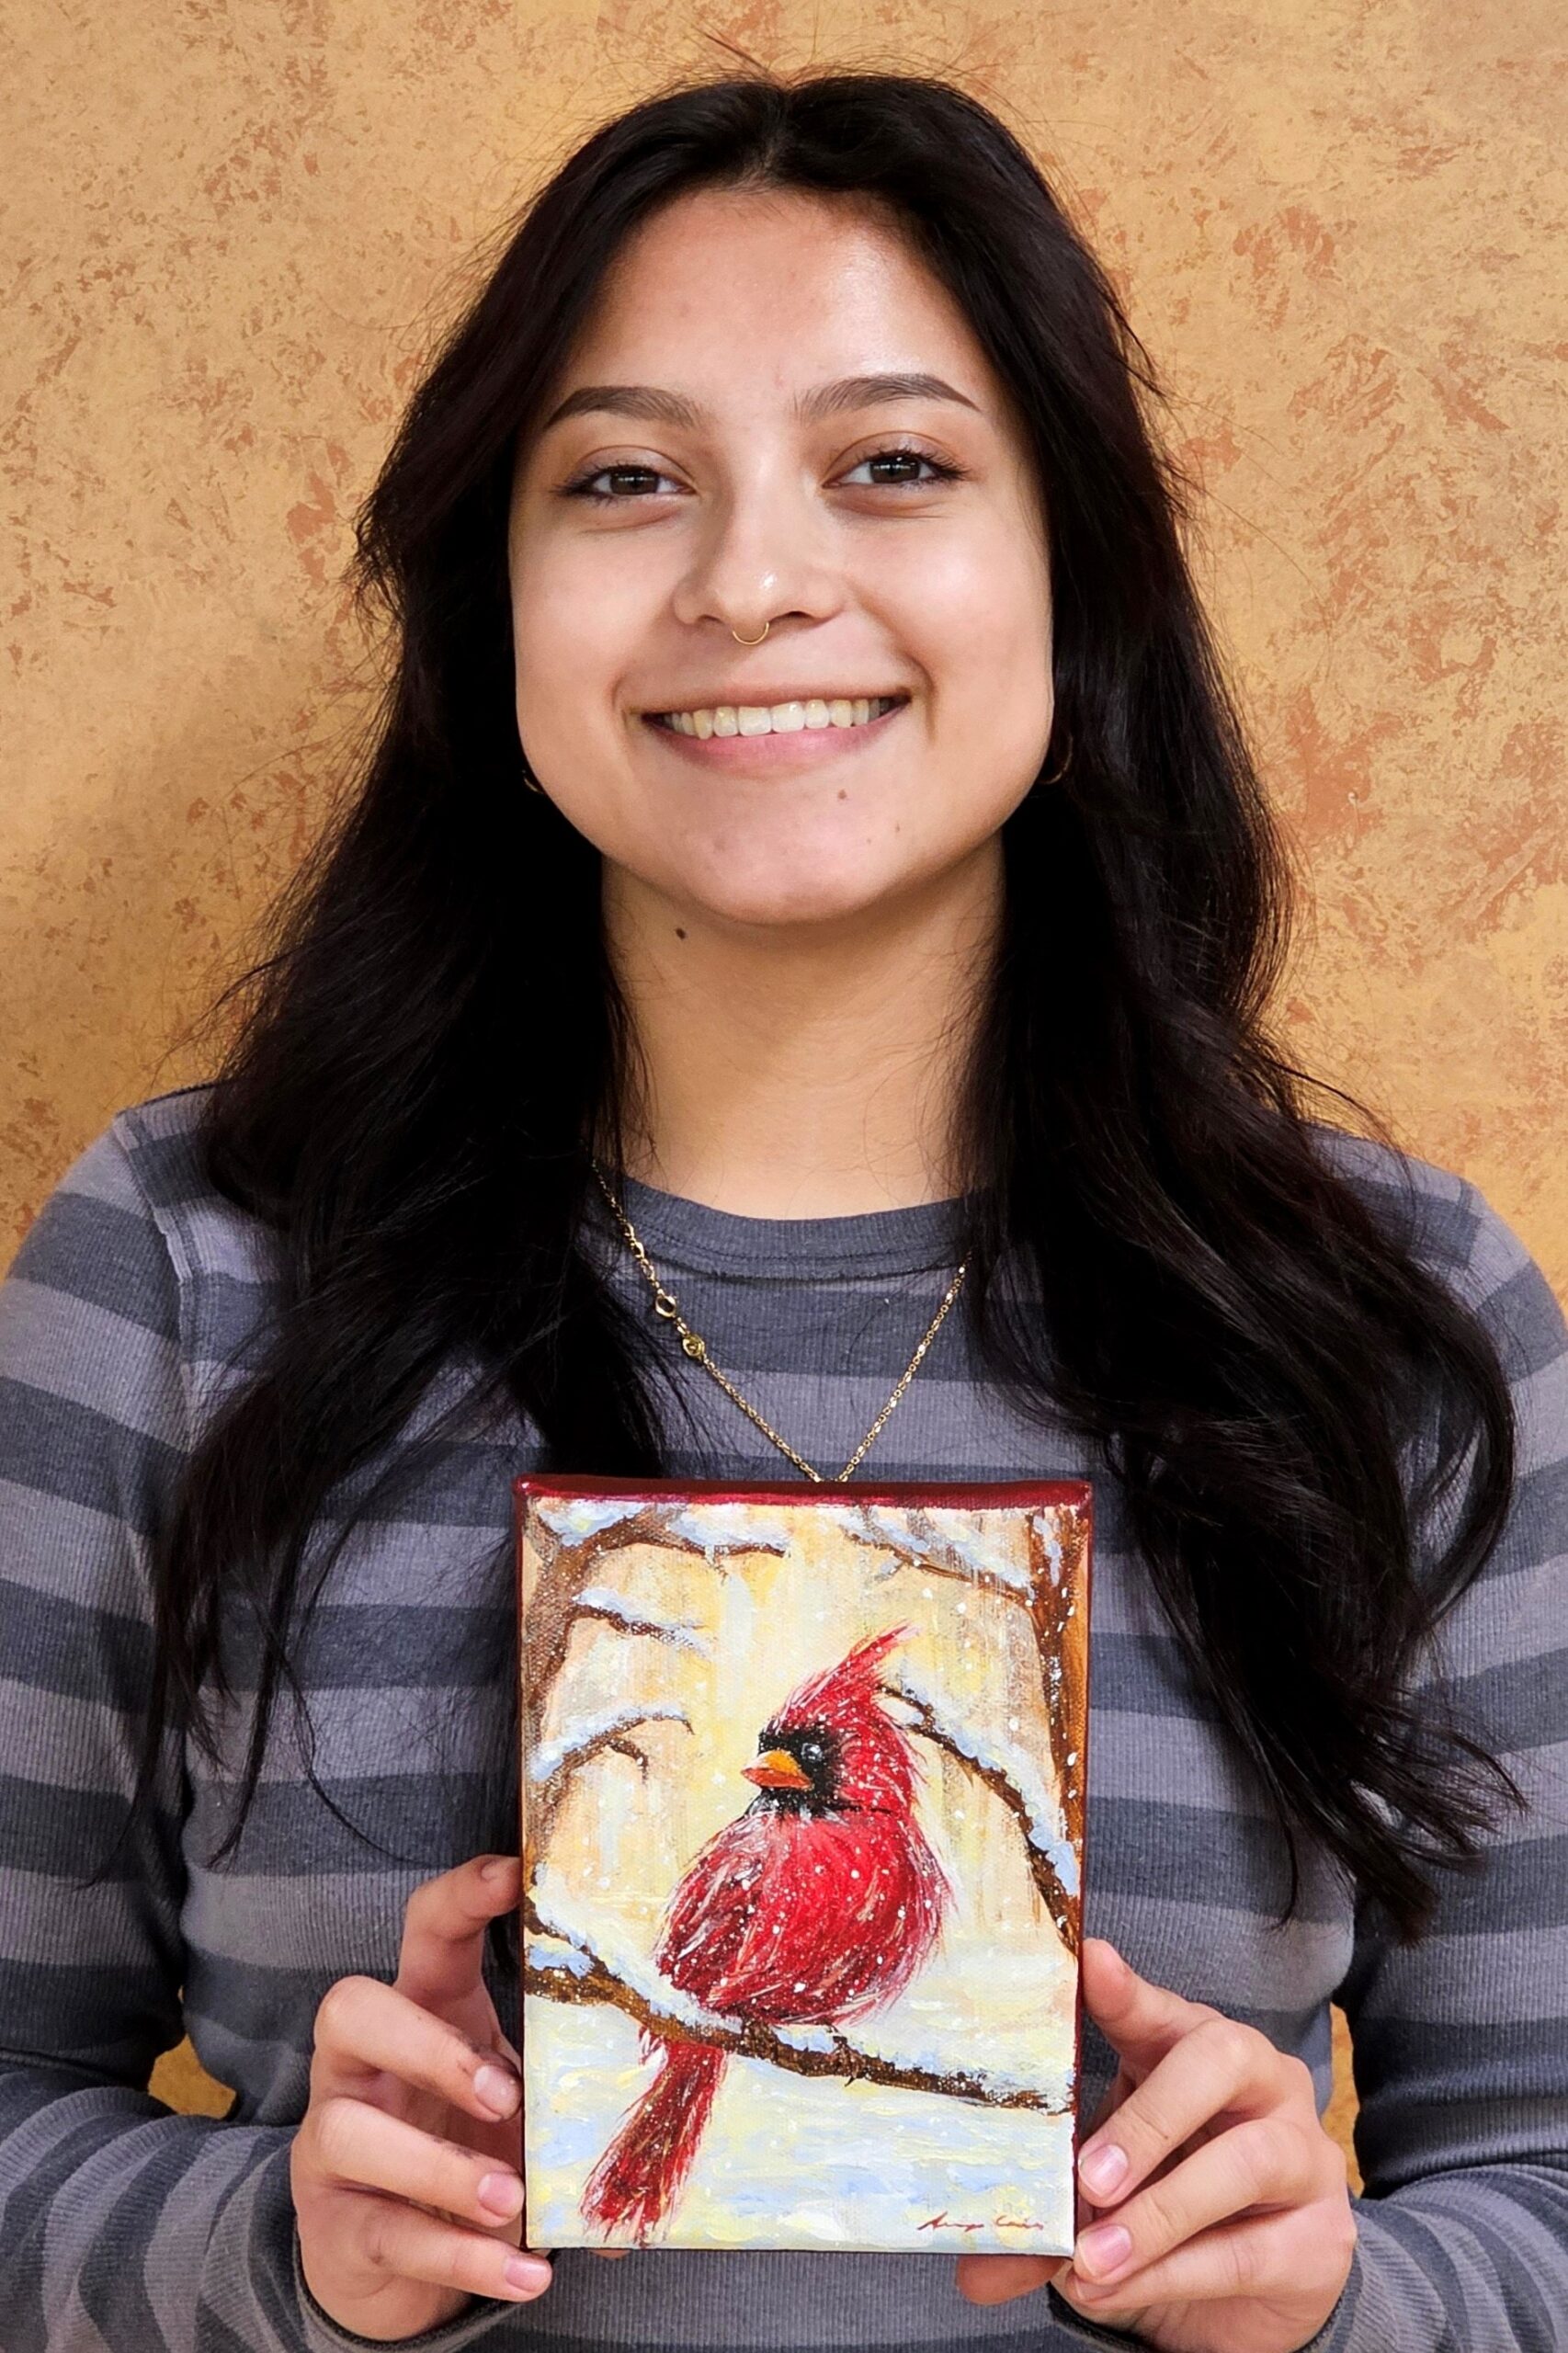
<point>779,718</point>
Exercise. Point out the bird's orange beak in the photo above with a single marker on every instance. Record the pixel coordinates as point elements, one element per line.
<point>776,1769</point>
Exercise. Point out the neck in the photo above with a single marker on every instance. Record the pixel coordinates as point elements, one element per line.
<point>802,1071</point>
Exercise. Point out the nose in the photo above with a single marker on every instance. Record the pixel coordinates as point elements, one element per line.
<point>762,554</point>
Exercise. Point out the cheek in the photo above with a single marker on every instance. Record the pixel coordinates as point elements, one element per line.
<point>975,615</point>
<point>573,635</point>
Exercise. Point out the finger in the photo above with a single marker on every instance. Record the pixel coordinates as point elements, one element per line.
<point>1268,2162</point>
<point>1301,2259</point>
<point>406,2245</point>
<point>361,2147</point>
<point>441,1958</point>
<point>365,2028</point>
<point>997,2279</point>
<point>1219,2066</point>
<point>1140,2022</point>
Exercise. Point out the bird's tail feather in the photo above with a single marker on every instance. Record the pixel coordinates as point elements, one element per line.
<point>634,2183</point>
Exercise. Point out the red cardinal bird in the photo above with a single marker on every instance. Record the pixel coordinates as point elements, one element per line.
<point>817,1905</point>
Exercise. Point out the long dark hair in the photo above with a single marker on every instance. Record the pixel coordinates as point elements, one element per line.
<point>1254,1352</point>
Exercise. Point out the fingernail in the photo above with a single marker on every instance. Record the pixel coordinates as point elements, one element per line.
<point>1103,2250</point>
<point>502,2194</point>
<point>498,2090</point>
<point>527,2273</point>
<point>495,1869</point>
<point>1103,2167</point>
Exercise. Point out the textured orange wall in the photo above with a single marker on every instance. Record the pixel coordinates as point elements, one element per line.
<point>233,226</point>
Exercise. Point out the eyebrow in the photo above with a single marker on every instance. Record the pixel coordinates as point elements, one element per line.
<point>657,407</point>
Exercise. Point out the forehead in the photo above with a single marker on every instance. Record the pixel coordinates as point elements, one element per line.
<point>753,293</point>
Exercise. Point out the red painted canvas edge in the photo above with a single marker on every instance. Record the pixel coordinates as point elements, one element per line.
<point>973,1494</point>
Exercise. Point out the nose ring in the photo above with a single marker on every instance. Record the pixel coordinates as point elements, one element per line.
<point>751,640</point>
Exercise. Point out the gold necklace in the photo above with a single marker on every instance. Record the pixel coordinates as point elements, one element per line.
<point>696,1347</point>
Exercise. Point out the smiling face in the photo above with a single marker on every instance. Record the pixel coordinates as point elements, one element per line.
<point>890,533</point>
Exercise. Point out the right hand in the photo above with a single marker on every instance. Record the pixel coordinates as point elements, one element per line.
<point>413,2120</point>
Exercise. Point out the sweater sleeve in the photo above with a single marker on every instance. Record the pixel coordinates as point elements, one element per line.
<point>127,2229</point>
<point>1461,2042</point>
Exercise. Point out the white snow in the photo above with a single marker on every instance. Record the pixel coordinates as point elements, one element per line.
<point>943,1538</point>
<point>638,1618</point>
<point>571,1958</point>
<point>730,1526</point>
<point>807,2038</point>
<point>576,1517</point>
<point>548,1757</point>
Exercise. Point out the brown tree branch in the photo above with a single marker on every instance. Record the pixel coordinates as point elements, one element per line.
<point>1062,1628</point>
<point>927,1725</point>
<point>584,1977</point>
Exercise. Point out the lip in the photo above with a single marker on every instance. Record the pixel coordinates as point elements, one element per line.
<point>713,698</point>
<point>803,747</point>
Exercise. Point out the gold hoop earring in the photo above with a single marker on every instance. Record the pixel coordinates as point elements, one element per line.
<point>751,640</point>
<point>1061,766</point>
<point>531,780</point>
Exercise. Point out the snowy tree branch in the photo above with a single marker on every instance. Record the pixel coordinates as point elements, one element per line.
<point>558,1971</point>
<point>915,1542</point>
<point>1059,1901</point>
<point>551,1768</point>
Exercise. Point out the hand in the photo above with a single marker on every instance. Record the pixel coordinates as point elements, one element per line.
<point>1226,2222</point>
<point>413,2120</point>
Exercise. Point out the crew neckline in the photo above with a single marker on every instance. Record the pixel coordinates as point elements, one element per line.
<point>690,1234</point>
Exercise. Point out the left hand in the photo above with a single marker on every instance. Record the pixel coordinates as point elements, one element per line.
<point>1224,2221</point>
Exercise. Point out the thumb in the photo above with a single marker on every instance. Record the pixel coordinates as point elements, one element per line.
<point>1140,2022</point>
<point>442,1955</point>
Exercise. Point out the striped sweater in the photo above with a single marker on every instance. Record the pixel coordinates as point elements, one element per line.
<point>139,1297</point>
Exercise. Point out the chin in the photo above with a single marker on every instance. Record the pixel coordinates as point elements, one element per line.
<point>787,895</point>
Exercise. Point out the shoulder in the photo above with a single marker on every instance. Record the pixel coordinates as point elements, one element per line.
<point>1456,1233</point>
<point>135,1238</point>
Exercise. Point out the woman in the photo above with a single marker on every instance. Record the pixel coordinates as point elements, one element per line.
<point>807,812</point>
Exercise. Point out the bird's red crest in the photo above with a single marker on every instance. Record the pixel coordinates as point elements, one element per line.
<point>849,1684</point>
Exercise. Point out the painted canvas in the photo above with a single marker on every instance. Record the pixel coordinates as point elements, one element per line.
<point>803,1781</point>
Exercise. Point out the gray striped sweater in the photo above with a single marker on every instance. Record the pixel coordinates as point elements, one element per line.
<point>139,1298</point>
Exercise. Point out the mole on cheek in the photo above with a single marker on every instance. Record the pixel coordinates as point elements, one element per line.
<point>844,792</point>
<point>679,934</point>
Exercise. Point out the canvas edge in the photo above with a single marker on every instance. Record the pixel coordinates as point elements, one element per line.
<point>976,1494</point>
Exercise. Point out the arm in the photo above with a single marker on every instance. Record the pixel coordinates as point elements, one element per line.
<point>127,2229</point>
<point>1461,2042</point>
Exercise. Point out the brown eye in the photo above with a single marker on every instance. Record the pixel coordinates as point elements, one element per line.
<point>906,460</point>
<point>631,481</point>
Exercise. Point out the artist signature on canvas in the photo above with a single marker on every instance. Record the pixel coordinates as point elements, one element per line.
<point>997,2222</point>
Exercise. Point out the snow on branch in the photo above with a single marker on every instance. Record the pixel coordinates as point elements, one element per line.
<point>559,1965</point>
<point>633,1617</point>
<point>552,1763</point>
<point>1008,1773</point>
<point>938,1543</point>
<point>573,1535</point>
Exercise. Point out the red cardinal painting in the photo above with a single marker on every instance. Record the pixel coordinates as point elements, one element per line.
<point>817,1905</point>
